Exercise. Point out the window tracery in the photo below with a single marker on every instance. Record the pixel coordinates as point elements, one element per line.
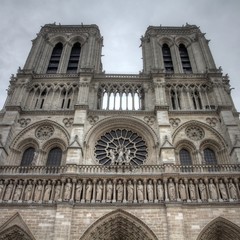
<point>54,157</point>
<point>121,146</point>
<point>209,156</point>
<point>195,133</point>
<point>44,132</point>
<point>28,156</point>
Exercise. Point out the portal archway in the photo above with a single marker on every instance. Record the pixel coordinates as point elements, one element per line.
<point>119,225</point>
<point>220,229</point>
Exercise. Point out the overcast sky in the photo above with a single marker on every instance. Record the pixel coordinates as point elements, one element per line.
<point>121,22</point>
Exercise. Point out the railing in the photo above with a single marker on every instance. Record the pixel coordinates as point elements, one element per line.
<point>124,169</point>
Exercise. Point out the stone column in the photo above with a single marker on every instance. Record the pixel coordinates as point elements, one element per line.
<point>135,190</point>
<point>155,191</point>
<point>84,191</point>
<point>124,191</point>
<point>104,190</point>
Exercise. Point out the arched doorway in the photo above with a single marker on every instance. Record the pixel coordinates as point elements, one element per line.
<point>119,225</point>
<point>220,229</point>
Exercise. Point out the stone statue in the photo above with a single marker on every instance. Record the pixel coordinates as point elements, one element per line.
<point>38,192</point>
<point>171,190</point>
<point>232,190</point>
<point>150,191</point>
<point>112,156</point>
<point>130,190</point>
<point>18,192</point>
<point>57,191</point>
<point>1,188</point>
<point>203,191</point>
<point>35,158</point>
<point>119,191</point>
<point>160,191</point>
<point>127,156</point>
<point>140,191</point>
<point>67,190</point>
<point>182,191</point>
<point>47,192</point>
<point>28,192</point>
<point>120,158</point>
<point>223,190</point>
<point>213,190</point>
<point>109,191</point>
<point>89,188</point>
<point>8,191</point>
<point>192,190</point>
<point>99,191</point>
<point>79,187</point>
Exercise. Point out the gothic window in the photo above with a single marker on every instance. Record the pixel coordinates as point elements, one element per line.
<point>54,157</point>
<point>55,58</point>
<point>185,157</point>
<point>209,156</point>
<point>186,65</point>
<point>167,59</point>
<point>74,58</point>
<point>28,156</point>
<point>121,147</point>
<point>66,98</point>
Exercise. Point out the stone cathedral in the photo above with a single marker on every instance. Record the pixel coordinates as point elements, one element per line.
<point>86,155</point>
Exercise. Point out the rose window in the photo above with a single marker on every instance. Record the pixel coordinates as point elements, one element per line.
<point>44,132</point>
<point>121,147</point>
<point>195,133</point>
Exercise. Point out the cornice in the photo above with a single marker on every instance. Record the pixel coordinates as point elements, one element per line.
<point>47,112</point>
<point>192,112</point>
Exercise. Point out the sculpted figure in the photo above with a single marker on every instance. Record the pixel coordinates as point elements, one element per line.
<point>192,191</point>
<point>232,189</point>
<point>109,191</point>
<point>119,191</point>
<point>99,191</point>
<point>57,191</point>
<point>48,188</point>
<point>112,156</point>
<point>1,188</point>
<point>38,192</point>
<point>89,188</point>
<point>150,191</point>
<point>18,192</point>
<point>130,191</point>
<point>182,191</point>
<point>8,191</point>
<point>203,191</point>
<point>78,190</point>
<point>127,156</point>
<point>140,191</point>
<point>223,190</point>
<point>67,190</point>
<point>171,190</point>
<point>28,191</point>
<point>120,158</point>
<point>213,190</point>
<point>160,191</point>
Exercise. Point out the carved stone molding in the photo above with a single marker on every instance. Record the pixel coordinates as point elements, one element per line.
<point>92,119</point>
<point>149,120</point>
<point>212,121</point>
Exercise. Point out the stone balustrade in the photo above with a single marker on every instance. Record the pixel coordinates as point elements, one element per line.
<point>119,189</point>
<point>124,169</point>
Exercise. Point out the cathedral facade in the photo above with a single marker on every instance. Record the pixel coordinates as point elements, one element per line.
<point>86,155</point>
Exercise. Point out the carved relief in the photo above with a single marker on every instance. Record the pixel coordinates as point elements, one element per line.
<point>68,122</point>
<point>23,122</point>
<point>149,120</point>
<point>44,132</point>
<point>174,122</point>
<point>194,133</point>
<point>212,121</point>
<point>92,119</point>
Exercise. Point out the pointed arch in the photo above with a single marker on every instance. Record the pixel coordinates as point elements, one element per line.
<point>220,229</point>
<point>119,225</point>
<point>15,228</point>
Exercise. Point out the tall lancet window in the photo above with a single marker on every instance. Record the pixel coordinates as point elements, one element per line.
<point>167,59</point>
<point>74,58</point>
<point>55,58</point>
<point>186,64</point>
